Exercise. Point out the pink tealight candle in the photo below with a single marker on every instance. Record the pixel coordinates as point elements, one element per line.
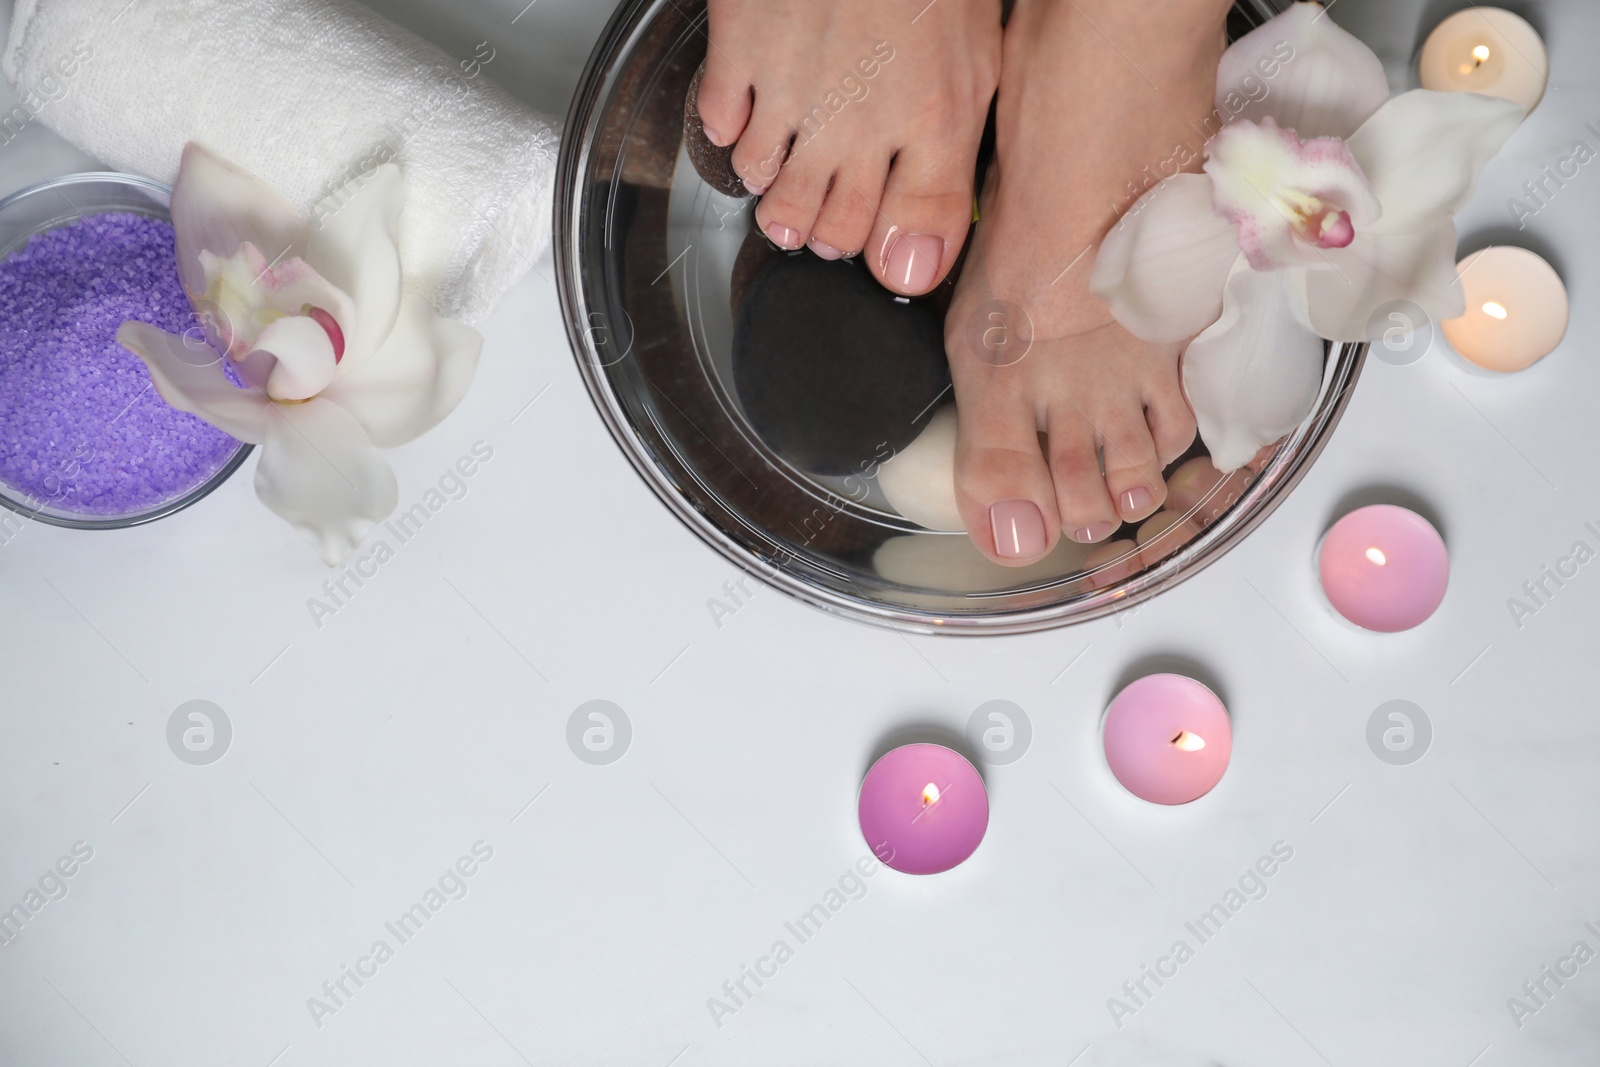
<point>923,809</point>
<point>1167,739</point>
<point>1384,568</point>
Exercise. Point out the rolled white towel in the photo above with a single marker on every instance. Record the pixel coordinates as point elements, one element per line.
<point>306,94</point>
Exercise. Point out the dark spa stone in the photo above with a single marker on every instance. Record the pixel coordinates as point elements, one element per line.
<point>713,163</point>
<point>834,373</point>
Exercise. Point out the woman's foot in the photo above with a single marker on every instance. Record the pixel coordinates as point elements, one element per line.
<point>1096,96</point>
<point>856,122</point>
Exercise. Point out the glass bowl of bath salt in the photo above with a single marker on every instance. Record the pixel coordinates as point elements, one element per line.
<point>85,440</point>
<point>656,268</point>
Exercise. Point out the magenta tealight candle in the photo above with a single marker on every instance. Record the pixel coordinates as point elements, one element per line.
<point>923,808</point>
<point>1167,739</point>
<point>1384,568</point>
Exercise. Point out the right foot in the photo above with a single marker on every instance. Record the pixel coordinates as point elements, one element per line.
<point>857,122</point>
<point>1092,93</point>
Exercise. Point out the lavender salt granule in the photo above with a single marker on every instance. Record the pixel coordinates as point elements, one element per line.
<point>82,428</point>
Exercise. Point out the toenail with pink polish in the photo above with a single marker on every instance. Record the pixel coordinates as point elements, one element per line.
<point>1088,535</point>
<point>1018,529</point>
<point>713,136</point>
<point>824,250</point>
<point>913,262</point>
<point>1136,500</point>
<point>752,188</point>
<point>784,236</point>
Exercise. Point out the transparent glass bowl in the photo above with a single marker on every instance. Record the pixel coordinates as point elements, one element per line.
<point>644,255</point>
<point>55,203</point>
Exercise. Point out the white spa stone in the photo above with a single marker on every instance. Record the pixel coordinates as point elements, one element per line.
<point>920,481</point>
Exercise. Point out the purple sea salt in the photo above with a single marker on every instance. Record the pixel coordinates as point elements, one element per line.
<point>82,429</point>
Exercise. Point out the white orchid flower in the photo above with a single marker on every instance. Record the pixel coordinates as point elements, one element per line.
<point>335,356</point>
<point>1322,201</point>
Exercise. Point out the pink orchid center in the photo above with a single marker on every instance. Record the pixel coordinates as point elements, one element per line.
<point>330,326</point>
<point>1285,194</point>
<point>1322,224</point>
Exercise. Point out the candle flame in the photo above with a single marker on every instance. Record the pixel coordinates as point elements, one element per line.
<point>1187,742</point>
<point>1376,555</point>
<point>1495,310</point>
<point>930,794</point>
<point>1480,56</point>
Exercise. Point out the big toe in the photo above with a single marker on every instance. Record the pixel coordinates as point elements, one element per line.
<point>1002,482</point>
<point>923,221</point>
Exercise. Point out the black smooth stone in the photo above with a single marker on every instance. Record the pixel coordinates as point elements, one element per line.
<point>834,373</point>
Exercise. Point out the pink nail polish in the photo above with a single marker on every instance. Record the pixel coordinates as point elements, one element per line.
<point>824,250</point>
<point>1136,500</point>
<point>784,236</point>
<point>1018,529</point>
<point>1098,532</point>
<point>753,189</point>
<point>912,262</point>
<point>713,136</point>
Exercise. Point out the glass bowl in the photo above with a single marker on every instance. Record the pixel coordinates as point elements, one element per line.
<point>645,253</point>
<point>47,206</point>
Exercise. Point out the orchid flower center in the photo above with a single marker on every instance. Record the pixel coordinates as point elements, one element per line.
<point>1316,221</point>
<point>1285,194</point>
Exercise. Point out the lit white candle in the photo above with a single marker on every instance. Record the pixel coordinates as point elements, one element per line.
<point>1517,309</point>
<point>1486,50</point>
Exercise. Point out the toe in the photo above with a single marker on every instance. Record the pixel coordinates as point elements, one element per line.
<point>848,213</point>
<point>923,221</point>
<point>790,206</point>
<point>1133,469</point>
<point>1002,484</point>
<point>1170,419</point>
<point>1087,513</point>
<point>724,98</point>
<point>759,156</point>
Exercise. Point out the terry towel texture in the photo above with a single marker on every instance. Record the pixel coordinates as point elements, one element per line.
<point>307,94</point>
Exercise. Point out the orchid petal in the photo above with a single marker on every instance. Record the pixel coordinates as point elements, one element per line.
<point>1280,192</point>
<point>414,380</point>
<point>1344,304</point>
<point>319,472</point>
<point>1162,267</point>
<point>1305,71</point>
<point>217,206</point>
<point>188,374</point>
<point>305,360</point>
<point>1253,376</point>
<point>353,244</point>
<point>1423,152</point>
